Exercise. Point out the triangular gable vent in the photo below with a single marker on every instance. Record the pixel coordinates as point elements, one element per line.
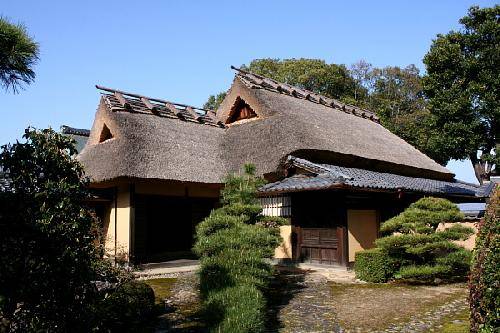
<point>105,134</point>
<point>240,110</point>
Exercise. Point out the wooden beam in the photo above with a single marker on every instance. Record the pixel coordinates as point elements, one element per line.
<point>172,108</point>
<point>150,106</point>
<point>122,101</point>
<point>193,114</point>
<point>149,98</point>
<point>211,116</point>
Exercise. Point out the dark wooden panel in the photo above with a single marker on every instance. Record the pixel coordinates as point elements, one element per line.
<point>321,245</point>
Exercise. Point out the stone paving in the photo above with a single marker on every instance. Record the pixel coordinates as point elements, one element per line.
<point>299,301</point>
<point>182,308</point>
<point>304,304</point>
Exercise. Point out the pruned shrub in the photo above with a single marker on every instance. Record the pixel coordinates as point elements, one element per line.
<point>373,265</point>
<point>234,243</point>
<point>236,309</point>
<point>457,263</point>
<point>128,306</point>
<point>422,273</point>
<point>484,281</point>
<point>417,252</point>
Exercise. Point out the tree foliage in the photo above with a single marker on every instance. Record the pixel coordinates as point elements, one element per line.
<point>48,257</point>
<point>316,75</point>
<point>233,243</point>
<point>18,55</point>
<point>397,96</point>
<point>484,281</point>
<point>420,251</point>
<point>463,85</point>
<point>214,101</point>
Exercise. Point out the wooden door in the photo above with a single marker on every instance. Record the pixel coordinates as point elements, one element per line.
<point>362,226</point>
<point>321,245</point>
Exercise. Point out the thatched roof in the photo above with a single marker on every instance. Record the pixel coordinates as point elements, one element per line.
<point>157,139</point>
<point>159,145</point>
<point>292,123</point>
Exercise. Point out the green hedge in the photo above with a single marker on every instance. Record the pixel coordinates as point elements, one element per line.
<point>373,265</point>
<point>484,282</point>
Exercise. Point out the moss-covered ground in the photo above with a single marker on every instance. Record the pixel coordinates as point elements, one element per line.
<point>162,288</point>
<point>377,307</point>
<point>298,299</point>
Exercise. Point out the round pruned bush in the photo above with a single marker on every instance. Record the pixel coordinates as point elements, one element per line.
<point>373,265</point>
<point>230,269</point>
<point>425,274</point>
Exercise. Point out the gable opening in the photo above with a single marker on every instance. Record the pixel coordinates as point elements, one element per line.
<point>105,134</point>
<point>240,110</point>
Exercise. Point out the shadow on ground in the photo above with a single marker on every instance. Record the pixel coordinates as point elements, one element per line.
<point>287,282</point>
<point>183,313</point>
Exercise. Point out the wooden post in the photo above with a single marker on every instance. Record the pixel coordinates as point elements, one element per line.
<point>341,245</point>
<point>299,242</point>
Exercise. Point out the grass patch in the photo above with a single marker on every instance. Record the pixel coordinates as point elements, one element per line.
<point>162,288</point>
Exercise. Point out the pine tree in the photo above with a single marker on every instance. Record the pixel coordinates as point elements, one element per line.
<point>233,244</point>
<point>18,55</point>
<point>421,251</point>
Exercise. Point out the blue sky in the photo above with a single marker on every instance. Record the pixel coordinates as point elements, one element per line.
<point>182,50</point>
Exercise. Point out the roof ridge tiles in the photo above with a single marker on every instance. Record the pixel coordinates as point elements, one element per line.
<point>267,83</point>
<point>74,131</point>
<point>118,100</point>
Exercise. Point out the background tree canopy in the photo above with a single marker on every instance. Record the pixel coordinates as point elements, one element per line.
<point>450,113</point>
<point>462,84</point>
<point>18,55</point>
<point>316,75</point>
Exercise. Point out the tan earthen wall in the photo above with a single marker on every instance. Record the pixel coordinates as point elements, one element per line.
<point>468,243</point>
<point>121,223</point>
<point>284,251</point>
<point>362,228</point>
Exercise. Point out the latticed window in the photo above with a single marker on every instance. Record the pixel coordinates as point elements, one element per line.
<point>276,206</point>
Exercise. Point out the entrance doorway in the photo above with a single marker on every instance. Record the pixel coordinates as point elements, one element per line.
<point>321,245</point>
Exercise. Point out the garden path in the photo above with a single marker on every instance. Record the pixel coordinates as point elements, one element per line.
<point>328,300</point>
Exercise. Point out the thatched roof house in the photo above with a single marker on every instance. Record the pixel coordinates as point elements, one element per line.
<point>150,153</point>
<point>172,143</point>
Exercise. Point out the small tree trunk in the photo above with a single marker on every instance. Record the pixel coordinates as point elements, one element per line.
<point>480,171</point>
